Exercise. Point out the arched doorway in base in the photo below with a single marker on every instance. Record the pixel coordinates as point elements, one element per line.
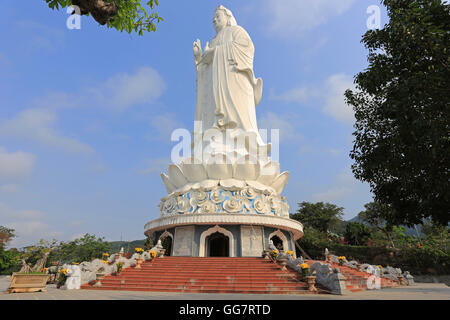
<point>204,250</point>
<point>218,245</point>
<point>167,242</point>
<point>279,240</point>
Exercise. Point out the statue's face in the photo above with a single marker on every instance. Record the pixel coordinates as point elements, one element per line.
<point>220,20</point>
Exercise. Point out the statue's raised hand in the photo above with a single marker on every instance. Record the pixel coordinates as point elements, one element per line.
<point>197,47</point>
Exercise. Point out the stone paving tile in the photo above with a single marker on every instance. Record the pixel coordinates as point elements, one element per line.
<point>422,291</point>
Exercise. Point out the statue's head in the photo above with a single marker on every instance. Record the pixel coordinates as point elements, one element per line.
<point>223,18</point>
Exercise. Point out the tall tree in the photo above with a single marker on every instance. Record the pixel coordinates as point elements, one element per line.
<point>128,15</point>
<point>356,233</point>
<point>6,235</point>
<point>8,258</point>
<point>81,249</point>
<point>402,110</point>
<point>320,216</point>
<point>377,216</point>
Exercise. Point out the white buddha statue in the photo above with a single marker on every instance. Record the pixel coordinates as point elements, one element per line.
<point>227,90</point>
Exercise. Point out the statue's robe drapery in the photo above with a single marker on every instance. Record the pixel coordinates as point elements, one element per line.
<point>227,91</point>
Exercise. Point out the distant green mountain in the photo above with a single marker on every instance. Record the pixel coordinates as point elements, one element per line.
<point>128,246</point>
<point>409,231</point>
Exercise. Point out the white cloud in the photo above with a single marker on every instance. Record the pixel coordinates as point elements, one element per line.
<point>300,94</point>
<point>163,126</point>
<point>36,125</point>
<point>335,152</point>
<point>119,92</point>
<point>76,223</point>
<point>333,194</point>
<point>9,188</point>
<point>77,236</point>
<point>330,95</point>
<point>39,36</point>
<point>343,187</point>
<point>288,18</point>
<point>335,105</point>
<point>54,101</point>
<point>271,120</point>
<point>8,213</point>
<point>124,90</point>
<point>156,165</point>
<point>15,165</point>
<point>29,225</point>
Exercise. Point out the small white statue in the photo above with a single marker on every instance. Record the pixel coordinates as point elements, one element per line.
<point>73,278</point>
<point>272,246</point>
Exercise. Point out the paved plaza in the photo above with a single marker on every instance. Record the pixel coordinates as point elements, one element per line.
<point>421,291</point>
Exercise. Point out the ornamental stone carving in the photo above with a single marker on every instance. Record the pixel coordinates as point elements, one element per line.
<point>219,200</point>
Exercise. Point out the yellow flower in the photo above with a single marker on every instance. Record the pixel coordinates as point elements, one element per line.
<point>63,271</point>
<point>153,253</point>
<point>304,266</point>
<point>274,251</point>
<point>290,252</point>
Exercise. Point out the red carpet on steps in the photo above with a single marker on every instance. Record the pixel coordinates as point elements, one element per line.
<point>206,275</point>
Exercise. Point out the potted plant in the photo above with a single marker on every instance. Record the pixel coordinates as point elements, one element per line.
<point>119,266</point>
<point>305,270</point>
<point>310,279</point>
<point>139,260</point>
<point>33,279</point>
<point>105,256</point>
<point>99,276</point>
<point>341,260</point>
<point>153,254</point>
<point>62,277</point>
<point>283,262</point>
<point>274,255</point>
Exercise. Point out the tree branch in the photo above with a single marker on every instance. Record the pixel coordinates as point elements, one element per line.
<point>100,10</point>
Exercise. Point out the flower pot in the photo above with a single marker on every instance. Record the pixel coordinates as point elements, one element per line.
<point>138,263</point>
<point>27,282</point>
<point>311,280</point>
<point>162,252</point>
<point>283,262</point>
<point>99,278</point>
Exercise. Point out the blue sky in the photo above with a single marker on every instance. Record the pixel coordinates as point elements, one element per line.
<point>86,115</point>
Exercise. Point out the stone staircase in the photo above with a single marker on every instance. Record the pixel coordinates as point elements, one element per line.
<point>357,280</point>
<point>206,275</point>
